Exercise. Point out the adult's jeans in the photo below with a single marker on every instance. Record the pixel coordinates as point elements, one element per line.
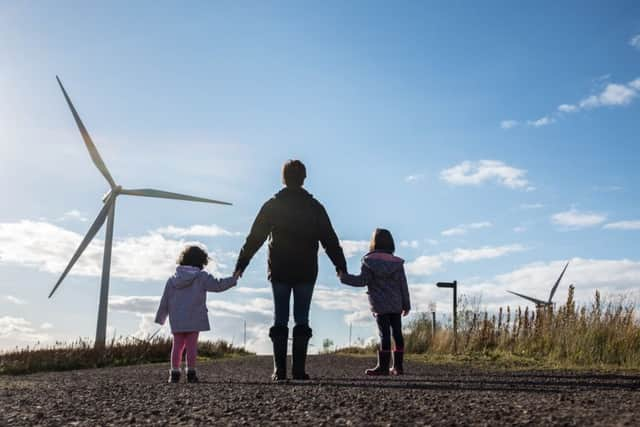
<point>302,294</point>
<point>390,323</point>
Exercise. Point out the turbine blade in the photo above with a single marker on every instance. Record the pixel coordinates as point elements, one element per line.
<point>533,300</point>
<point>95,227</point>
<point>148,192</point>
<point>553,290</point>
<point>93,151</point>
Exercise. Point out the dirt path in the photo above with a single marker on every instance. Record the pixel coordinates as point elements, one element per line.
<point>238,392</point>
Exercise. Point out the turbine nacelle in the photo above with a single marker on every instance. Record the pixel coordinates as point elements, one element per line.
<point>541,303</point>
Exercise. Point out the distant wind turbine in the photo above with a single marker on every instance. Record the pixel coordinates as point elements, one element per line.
<point>540,303</point>
<point>107,213</point>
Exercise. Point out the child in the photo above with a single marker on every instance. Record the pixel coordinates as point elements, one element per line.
<point>184,301</point>
<point>383,275</point>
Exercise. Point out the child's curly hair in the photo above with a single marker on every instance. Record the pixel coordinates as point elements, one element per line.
<point>194,256</point>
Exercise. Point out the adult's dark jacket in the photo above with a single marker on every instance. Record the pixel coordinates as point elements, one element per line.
<point>294,222</point>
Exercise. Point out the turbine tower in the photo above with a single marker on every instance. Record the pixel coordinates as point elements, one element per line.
<point>540,303</point>
<point>107,213</point>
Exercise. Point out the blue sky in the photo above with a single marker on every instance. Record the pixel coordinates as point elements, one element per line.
<point>495,140</point>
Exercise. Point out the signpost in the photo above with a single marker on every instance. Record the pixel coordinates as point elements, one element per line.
<point>453,285</point>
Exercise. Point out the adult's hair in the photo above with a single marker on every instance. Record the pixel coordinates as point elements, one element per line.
<point>194,256</point>
<point>293,173</point>
<point>382,240</point>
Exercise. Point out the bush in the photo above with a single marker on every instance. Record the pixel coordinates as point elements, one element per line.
<point>596,334</point>
<point>81,354</point>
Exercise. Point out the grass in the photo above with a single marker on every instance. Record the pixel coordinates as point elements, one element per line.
<point>125,351</point>
<point>599,335</point>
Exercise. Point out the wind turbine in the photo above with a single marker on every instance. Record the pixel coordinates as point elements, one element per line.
<point>107,213</point>
<point>540,303</point>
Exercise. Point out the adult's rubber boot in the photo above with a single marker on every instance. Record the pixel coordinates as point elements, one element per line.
<point>397,368</point>
<point>301,336</point>
<point>382,368</point>
<point>279,336</point>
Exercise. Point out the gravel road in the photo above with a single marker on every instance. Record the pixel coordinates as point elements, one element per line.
<point>238,392</point>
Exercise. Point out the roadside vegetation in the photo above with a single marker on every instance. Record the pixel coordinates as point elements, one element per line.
<point>119,352</point>
<point>599,334</point>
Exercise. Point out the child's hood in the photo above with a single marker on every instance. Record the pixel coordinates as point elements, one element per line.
<point>382,263</point>
<point>185,276</point>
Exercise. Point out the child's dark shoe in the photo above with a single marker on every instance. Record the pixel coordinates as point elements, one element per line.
<point>382,368</point>
<point>191,376</point>
<point>174,376</point>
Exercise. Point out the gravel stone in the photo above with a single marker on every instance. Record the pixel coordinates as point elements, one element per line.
<point>239,392</point>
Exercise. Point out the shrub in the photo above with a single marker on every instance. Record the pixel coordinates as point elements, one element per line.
<point>80,354</point>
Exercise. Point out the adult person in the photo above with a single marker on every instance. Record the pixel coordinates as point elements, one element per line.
<point>294,222</point>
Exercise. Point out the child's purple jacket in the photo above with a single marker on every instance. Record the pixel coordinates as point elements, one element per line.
<point>185,299</point>
<point>383,275</point>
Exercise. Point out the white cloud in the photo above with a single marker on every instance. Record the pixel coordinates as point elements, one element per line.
<point>508,124</point>
<point>255,291</point>
<point>574,219</point>
<point>256,309</point>
<point>359,318</point>
<point>134,304</point>
<point>196,230</point>
<point>612,95</point>
<point>455,231</point>
<point>428,264</point>
<point>543,121</point>
<point>46,325</point>
<point>464,228</point>
<point>611,277</point>
<point>567,108</point>
<point>485,252</point>
<point>352,248</point>
<point>47,247</point>
<point>537,279</point>
<point>73,214</point>
<point>413,244</point>
<point>623,225</point>
<point>425,265</point>
<point>414,178</point>
<point>635,41</point>
<point>519,229</point>
<point>344,299</point>
<point>14,300</point>
<point>19,329</point>
<point>476,173</point>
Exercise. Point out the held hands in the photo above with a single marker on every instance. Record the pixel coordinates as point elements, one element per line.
<point>237,275</point>
<point>341,274</point>
<point>405,313</point>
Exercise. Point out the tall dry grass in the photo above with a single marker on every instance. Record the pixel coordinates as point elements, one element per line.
<point>119,352</point>
<point>599,333</point>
